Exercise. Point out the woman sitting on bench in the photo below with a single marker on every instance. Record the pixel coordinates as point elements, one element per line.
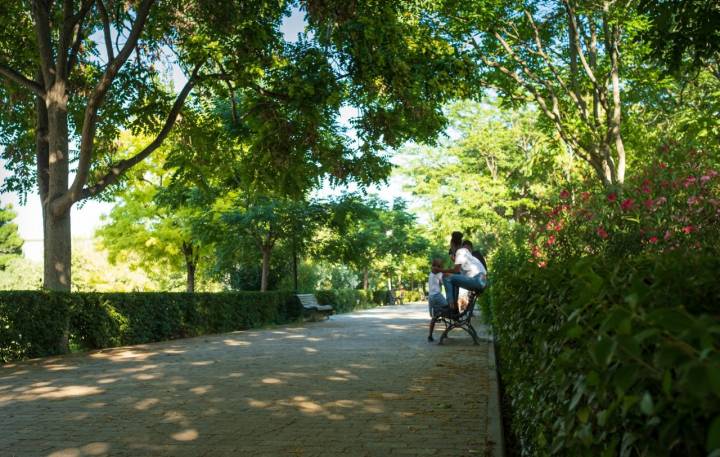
<point>468,272</point>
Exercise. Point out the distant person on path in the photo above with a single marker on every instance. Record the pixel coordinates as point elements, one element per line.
<point>437,304</point>
<point>468,272</point>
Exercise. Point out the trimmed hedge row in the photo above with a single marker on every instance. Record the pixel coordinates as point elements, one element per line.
<point>348,300</point>
<point>611,358</point>
<point>32,323</point>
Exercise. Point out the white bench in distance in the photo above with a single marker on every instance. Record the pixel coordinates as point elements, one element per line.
<point>312,308</point>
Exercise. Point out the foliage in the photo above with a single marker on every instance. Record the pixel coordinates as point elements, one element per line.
<point>601,357</point>
<point>21,274</point>
<point>495,171</point>
<point>247,228</point>
<point>348,300</point>
<point>94,273</point>
<point>673,203</point>
<point>10,241</point>
<point>682,31</point>
<point>606,313</point>
<point>336,276</point>
<point>367,234</point>
<point>151,225</point>
<point>32,322</point>
<point>68,78</point>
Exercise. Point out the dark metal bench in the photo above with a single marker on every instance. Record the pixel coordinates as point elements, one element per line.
<point>454,319</point>
<point>312,309</point>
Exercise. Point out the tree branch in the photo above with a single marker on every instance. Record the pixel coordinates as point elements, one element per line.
<point>106,30</point>
<point>576,41</point>
<point>231,90</point>
<point>117,170</point>
<point>574,94</point>
<point>95,100</point>
<point>41,15</point>
<point>68,26</point>
<point>78,20</point>
<point>18,78</point>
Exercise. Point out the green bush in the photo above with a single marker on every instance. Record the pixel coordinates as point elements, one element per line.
<point>32,323</point>
<point>607,356</point>
<point>347,300</point>
<point>412,296</point>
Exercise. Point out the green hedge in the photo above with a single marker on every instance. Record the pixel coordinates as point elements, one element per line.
<point>347,300</point>
<point>611,358</point>
<point>32,322</point>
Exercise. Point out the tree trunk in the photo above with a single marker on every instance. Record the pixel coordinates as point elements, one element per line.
<point>365,279</point>
<point>58,249</point>
<point>191,261</point>
<point>190,276</point>
<point>295,267</point>
<point>57,234</point>
<point>265,269</point>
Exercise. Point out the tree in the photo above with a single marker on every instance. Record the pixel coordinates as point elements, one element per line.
<point>683,32</point>
<point>496,171</point>
<point>151,225</point>
<point>260,222</point>
<point>10,241</point>
<point>565,56</point>
<point>361,232</point>
<point>68,76</point>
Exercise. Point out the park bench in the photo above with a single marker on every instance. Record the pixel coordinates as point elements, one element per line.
<point>312,309</point>
<point>462,320</point>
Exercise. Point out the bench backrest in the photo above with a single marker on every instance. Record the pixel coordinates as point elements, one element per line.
<point>308,300</point>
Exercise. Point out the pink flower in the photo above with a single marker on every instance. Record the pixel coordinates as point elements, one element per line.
<point>653,240</point>
<point>649,203</point>
<point>612,197</point>
<point>661,201</point>
<point>602,233</point>
<point>551,240</point>
<point>693,200</point>
<point>585,196</point>
<point>712,173</point>
<point>688,229</point>
<point>689,181</point>
<point>705,178</point>
<point>564,194</point>
<point>627,204</point>
<point>668,235</point>
<point>542,264</point>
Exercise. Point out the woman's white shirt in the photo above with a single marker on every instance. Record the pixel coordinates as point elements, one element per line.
<point>469,265</point>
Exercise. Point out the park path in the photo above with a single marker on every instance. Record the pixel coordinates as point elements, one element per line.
<point>361,384</point>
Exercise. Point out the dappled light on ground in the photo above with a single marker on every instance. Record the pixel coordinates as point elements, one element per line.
<point>367,382</point>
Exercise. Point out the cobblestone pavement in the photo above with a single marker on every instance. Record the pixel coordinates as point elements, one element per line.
<point>360,384</point>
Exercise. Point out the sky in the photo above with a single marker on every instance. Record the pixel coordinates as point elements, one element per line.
<point>86,218</point>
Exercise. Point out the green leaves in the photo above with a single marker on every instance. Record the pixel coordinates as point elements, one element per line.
<point>629,373</point>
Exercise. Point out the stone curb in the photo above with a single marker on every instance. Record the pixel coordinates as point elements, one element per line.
<point>496,441</point>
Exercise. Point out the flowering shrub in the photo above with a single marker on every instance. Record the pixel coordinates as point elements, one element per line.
<point>665,207</point>
<point>609,338</point>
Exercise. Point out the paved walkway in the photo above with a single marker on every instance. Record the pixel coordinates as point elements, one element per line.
<point>360,384</point>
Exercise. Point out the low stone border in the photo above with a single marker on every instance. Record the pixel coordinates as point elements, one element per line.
<point>495,446</point>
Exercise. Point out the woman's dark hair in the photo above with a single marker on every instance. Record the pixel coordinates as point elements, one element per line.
<point>455,242</point>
